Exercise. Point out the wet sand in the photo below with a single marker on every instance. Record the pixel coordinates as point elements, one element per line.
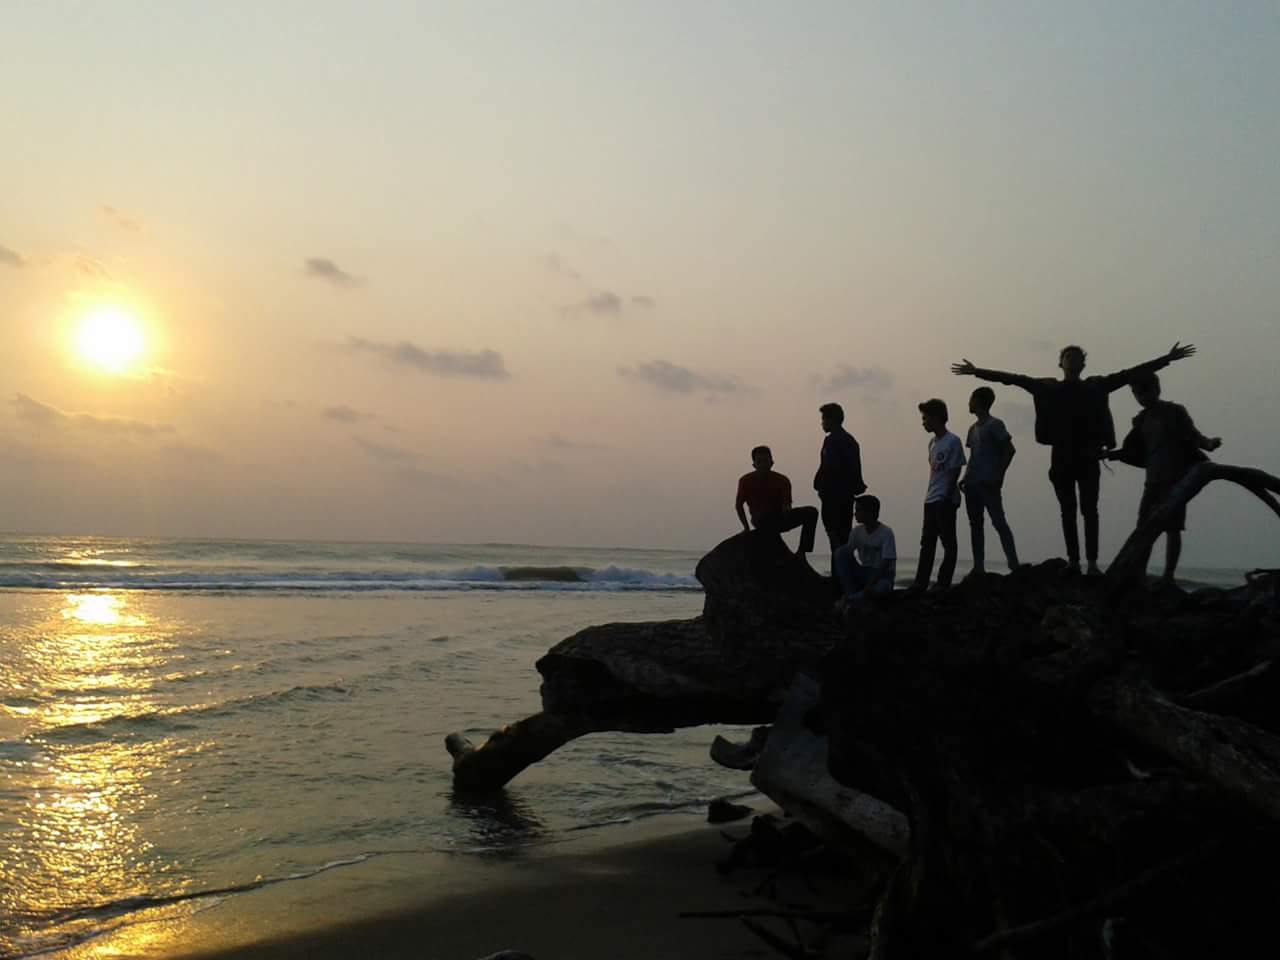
<point>571,902</point>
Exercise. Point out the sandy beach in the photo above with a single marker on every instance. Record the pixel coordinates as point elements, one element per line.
<point>576,901</point>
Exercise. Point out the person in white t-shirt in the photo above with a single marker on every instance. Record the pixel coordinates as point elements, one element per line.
<point>942,498</point>
<point>867,564</point>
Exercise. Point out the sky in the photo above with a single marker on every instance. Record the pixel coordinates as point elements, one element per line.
<point>545,272</point>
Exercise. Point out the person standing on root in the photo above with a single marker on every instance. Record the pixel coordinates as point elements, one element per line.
<point>839,477</point>
<point>1165,441</point>
<point>991,450</point>
<point>1073,419</point>
<point>942,498</point>
<point>768,496</point>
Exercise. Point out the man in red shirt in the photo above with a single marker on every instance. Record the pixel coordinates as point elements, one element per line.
<point>767,496</point>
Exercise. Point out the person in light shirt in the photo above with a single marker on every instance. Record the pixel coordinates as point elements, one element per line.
<point>942,497</point>
<point>867,565</point>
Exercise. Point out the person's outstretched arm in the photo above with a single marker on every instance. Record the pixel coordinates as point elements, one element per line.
<point>1122,378</point>
<point>966,368</point>
<point>1200,441</point>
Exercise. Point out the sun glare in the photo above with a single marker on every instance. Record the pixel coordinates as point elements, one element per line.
<point>110,339</point>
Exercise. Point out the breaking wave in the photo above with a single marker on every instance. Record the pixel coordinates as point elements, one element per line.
<point>59,576</point>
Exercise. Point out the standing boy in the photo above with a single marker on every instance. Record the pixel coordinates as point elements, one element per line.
<point>839,477</point>
<point>867,565</point>
<point>1166,442</point>
<point>990,452</point>
<point>1074,420</point>
<point>768,496</point>
<point>942,498</point>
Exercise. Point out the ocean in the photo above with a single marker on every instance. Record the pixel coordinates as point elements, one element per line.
<point>185,724</point>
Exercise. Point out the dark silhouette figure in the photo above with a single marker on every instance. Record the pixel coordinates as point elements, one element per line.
<point>991,451</point>
<point>1073,419</point>
<point>1164,440</point>
<point>768,496</point>
<point>839,477</point>
<point>942,498</point>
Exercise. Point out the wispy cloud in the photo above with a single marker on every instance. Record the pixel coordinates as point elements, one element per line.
<point>398,462</point>
<point>345,414</point>
<point>120,218</point>
<point>563,443</point>
<point>43,416</point>
<point>873,380</point>
<point>10,258</point>
<point>558,265</point>
<point>92,268</point>
<point>322,268</point>
<point>673,378</point>
<point>480,364</point>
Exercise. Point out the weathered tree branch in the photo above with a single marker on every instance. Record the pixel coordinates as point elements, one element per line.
<point>1129,565</point>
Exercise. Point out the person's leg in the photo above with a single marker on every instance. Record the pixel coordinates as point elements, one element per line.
<point>881,588</point>
<point>947,533</point>
<point>806,518</point>
<point>808,528</point>
<point>994,500</point>
<point>928,545</point>
<point>1064,487</point>
<point>1088,474</point>
<point>842,564</point>
<point>1173,539</point>
<point>1172,551</point>
<point>973,503</point>
<point>837,520</point>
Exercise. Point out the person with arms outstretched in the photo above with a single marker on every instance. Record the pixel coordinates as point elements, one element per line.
<point>1164,440</point>
<point>1073,418</point>
<point>768,496</point>
<point>839,477</point>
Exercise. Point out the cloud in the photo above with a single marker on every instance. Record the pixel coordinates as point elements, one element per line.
<point>556,264</point>
<point>603,304</point>
<point>385,453</point>
<point>10,258</point>
<point>119,218</point>
<point>481,364</point>
<point>864,380</point>
<point>345,414</point>
<point>92,268</point>
<point>562,443</point>
<point>400,463</point>
<point>322,268</point>
<point>643,302</point>
<point>673,378</point>
<point>43,416</point>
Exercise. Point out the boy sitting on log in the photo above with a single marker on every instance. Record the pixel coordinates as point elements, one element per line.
<point>768,496</point>
<point>867,565</point>
<point>1164,440</point>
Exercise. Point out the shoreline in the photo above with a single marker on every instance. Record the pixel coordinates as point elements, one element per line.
<point>588,897</point>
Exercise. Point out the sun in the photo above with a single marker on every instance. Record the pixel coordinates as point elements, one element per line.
<point>110,339</point>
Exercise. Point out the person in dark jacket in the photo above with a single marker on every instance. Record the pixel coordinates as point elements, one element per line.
<point>839,477</point>
<point>1165,442</point>
<point>1073,418</point>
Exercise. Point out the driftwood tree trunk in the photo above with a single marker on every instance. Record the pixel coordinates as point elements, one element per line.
<point>1129,566</point>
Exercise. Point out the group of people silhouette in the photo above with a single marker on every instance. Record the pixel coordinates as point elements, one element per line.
<point>1072,417</point>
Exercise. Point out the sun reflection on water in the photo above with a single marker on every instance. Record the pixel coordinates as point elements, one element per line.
<point>88,671</point>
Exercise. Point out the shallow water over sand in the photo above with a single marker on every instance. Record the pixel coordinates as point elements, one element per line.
<point>159,746</point>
